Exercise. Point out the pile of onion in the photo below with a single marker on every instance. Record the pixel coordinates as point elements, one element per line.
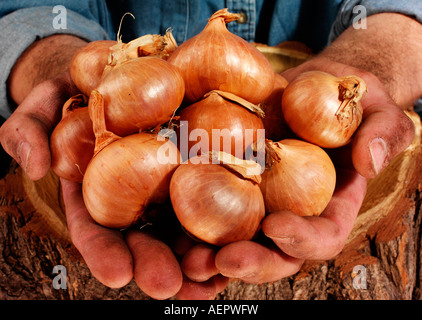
<point>226,78</point>
<point>141,90</point>
<point>222,174</point>
<point>109,145</point>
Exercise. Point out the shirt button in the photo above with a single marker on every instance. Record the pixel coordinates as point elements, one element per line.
<point>243,18</point>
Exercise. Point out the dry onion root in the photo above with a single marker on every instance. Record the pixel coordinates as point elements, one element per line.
<point>91,61</point>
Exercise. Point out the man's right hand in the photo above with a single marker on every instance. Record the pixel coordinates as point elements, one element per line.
<point>113,257</point>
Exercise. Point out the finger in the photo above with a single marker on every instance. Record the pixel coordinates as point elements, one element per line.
<point>384,133</point>
<point>320,237</point>
<point>25,139</point>
<point>181,242</point>
<point>24,135</point>
<point>255,263</point>
<point>104,250</point>
<point>198,263</point>
<point>157,272</point>
<point>207,290</point>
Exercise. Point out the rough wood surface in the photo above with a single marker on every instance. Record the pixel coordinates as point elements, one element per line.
<point>385,244</point>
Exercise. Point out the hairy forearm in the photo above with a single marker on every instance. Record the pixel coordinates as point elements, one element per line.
<point>43,60</point>
<point>390,48</point>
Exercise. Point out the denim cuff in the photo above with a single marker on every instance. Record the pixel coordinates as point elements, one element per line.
<point>24,26</point>
<point>349,12</point>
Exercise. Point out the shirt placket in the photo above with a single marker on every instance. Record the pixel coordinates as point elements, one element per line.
<point>176,15</point>
<point>245,27</point>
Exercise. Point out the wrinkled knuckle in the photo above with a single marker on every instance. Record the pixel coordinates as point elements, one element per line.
<point>402,136</point>
<point>56,87</point>
<point>7,137</point>
<point>408,126</point>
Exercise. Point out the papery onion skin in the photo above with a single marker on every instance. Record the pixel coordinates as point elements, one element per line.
<point>217,59</point>
<point>88,64</point>
<point>275,126</point>
<point>72,145</point>
<point>140,94</point>
<point>310,103</point>
<point>214,204</point>
<point>302,181</point>
<point>125,177</point>
<point>238,127</point>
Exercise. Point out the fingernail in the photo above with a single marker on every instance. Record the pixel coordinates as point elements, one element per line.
<point>378,150</point>
<point>281,239</point>
<point>24,150</point>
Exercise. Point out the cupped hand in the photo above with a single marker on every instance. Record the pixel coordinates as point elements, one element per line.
<point>384,133</point>
<point>113,257</point>
<point>291,239</point>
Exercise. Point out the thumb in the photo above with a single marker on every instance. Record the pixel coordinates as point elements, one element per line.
<point>24,135</point>
<point>384,133</point>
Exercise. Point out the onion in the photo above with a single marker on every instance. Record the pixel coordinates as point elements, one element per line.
<point>140,93</point>
<point>124,179</point>
<point>216,59</point>
<point>301,178</point>
<point>324,109</point>
<point>87,65</point>
<point>126,175</point>
<point>140,89</point>
<point>221,122</point>
<point>275,126</point>
<point>217,203</point>
<point>72,140</point>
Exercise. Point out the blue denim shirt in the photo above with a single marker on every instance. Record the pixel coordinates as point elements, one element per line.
<point>313,22</point>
